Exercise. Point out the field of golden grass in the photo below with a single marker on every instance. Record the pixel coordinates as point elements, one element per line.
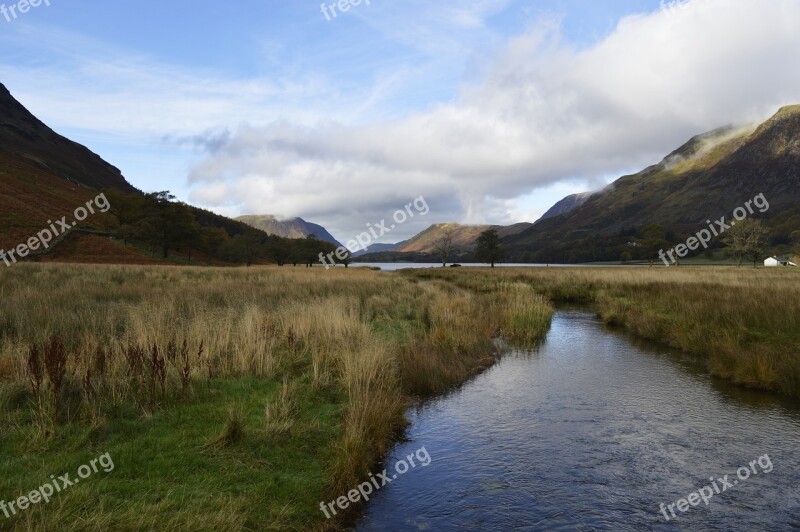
<point>745,322</point>
<point>115,357</point>
<point>240,398</point>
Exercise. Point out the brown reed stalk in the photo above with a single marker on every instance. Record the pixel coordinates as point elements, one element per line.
<point>172,351</point>
<point>55,363</point>
<point>35,372</point>
<point>158,373</point>
<point>186,368</point>
<point>291,337</point>
<point>134,354</point>
<point>88,388</point>
<point>100,361</point>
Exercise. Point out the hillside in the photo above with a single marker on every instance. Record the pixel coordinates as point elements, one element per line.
<point>378,248</point>
<point>464,236</point>
<point>708,177</point>
<point>25,138</point>
<point>424,242</point>
<point>566,205</point>
<point>44,176</point>
<point>291,228</point>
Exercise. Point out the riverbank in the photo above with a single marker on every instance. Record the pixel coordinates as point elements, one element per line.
<point>624,425</point>
<point>744,322</point>
<point>241,398</point>
<point>227,398</point>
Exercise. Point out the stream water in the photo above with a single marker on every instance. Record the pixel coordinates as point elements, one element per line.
<point>594,430</point>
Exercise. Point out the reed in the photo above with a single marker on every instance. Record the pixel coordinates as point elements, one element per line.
<point>744,322</point>
<point>310,360</point>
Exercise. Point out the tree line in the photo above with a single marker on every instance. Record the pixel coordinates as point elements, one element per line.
<point>165,227</point>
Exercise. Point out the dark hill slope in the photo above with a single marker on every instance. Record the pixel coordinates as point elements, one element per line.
<point>706,178</point>
<point>25,137</point>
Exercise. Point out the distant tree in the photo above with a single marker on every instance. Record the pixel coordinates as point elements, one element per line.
<point>167,225</point>
<point>279,250</point>
<point>214,240</point>
<point>444,245</point>
<point>347,260</point>
<point>127,232</point>
<point>747,238</point>
<point>145,231</point>
<point>489,249</point>
<point>186,231</point>
<point>796,247</point>
<point>653,241</point>
<point>247,248</point>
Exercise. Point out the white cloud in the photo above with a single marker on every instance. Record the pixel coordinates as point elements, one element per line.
<point>543,112</point>
<point>532,113</point>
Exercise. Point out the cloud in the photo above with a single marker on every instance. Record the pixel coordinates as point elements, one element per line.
<point>543,111</point>
<point>117,92</point>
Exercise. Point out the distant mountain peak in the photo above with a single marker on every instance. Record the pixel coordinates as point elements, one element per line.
<point>287,228</point>
<point>566,205</point>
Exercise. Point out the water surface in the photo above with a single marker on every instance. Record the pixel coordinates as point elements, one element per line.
<point>593,431</point>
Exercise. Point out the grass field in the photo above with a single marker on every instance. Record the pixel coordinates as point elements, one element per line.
<point>227,398</point>
<point>239,399</point>
<point>744,322</point>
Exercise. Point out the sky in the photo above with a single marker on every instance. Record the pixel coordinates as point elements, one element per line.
<point>490,110</point>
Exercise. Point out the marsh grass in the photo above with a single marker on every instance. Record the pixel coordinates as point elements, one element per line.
<point>279,414</point>
<point>280,381</point>
<point>233,431</point>
<point>744,322</point>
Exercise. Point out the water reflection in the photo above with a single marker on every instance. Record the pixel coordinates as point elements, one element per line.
<point>593,430</point>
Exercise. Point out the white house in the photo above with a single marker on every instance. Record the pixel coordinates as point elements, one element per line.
<point>778,261</point>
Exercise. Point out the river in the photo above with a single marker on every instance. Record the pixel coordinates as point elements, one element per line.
<point>594,430</point>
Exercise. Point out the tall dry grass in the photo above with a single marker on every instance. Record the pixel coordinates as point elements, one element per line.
<point>149,334</point>
<point>745,322</point>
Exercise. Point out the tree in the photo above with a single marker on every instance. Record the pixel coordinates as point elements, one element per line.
<point>653,241</point>
<point>278,249</point>
<point>186,230</point>
<point>127,233</point>
<point>168,225</point>
<point>747,238</point>
<point>348,258</point>
<point>444,246</point>
<point>215,240</point>
<point>489,249</point>
<point>796,247</point>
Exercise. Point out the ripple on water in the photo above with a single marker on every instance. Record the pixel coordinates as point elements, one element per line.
<point>591,431</point>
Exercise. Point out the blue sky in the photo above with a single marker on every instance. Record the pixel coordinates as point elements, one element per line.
<point>491,109</point>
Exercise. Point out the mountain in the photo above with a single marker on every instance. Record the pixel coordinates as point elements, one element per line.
<point>422,247</point>
<point>45,176</point>
<point>706,178</point>
<point>510,230</point>
<point>291,228</point>
<point>25,137</point>
<point>424,242</point>
<point>464,236</point>
<point>566,205</point>
<point>379,248</point>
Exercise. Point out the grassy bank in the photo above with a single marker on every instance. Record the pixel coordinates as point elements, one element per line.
<point>228,398</point>
<point>744,322</point>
